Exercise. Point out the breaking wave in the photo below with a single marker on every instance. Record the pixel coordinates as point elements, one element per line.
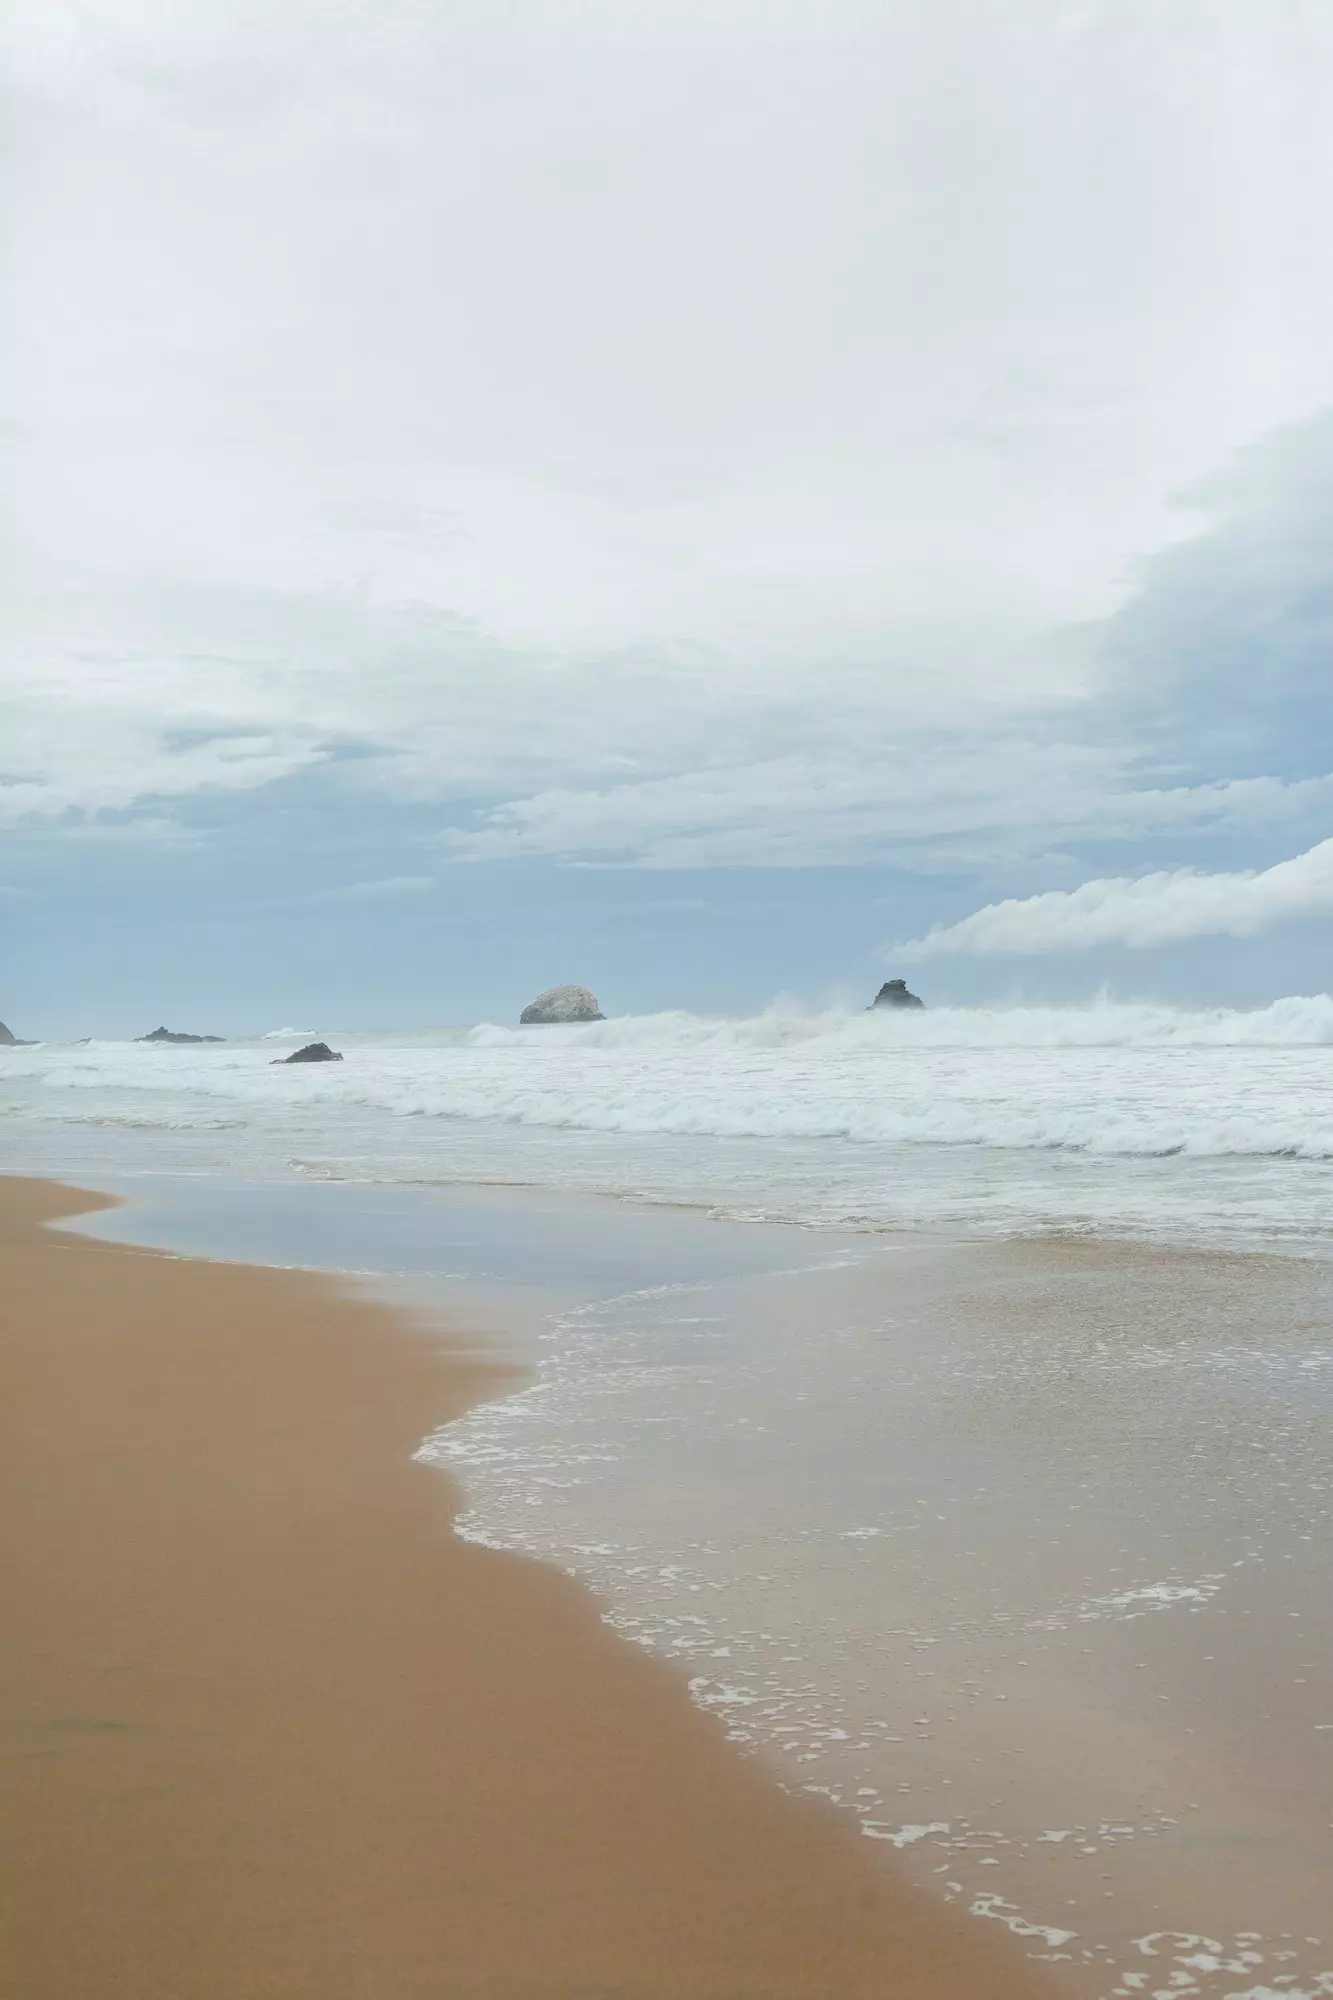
<point>1112,1078</point>
<point>1301,1021</point>
<point>1197,1123</point>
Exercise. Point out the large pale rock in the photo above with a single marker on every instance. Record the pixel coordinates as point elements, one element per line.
<point>7,1041</point>
<point>894,993</point>
<point>561,1003</point>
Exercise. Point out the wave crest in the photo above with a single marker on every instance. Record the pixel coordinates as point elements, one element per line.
<point>1298,1021</point>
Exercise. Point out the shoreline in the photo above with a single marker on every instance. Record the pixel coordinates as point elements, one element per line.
<point>272,1728</point>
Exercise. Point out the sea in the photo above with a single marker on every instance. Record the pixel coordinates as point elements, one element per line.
<point>947,1397</point>
<point>1114,1118</point>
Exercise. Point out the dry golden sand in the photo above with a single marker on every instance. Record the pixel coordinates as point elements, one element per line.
<point>269,1729</point>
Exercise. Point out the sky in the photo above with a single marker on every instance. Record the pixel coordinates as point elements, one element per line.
<point>708,501</point>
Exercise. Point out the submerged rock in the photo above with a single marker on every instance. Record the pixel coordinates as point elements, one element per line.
<point>894,993</point>
<point>561,1003</point>
<point>312,1052</point>
<point>168,1035</point>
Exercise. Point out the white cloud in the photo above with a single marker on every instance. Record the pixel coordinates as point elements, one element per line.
<point>389,890</point>
<point>902,801</point>
<point>1157,909</point>
<point>677,369</point>
<point>674,426</point>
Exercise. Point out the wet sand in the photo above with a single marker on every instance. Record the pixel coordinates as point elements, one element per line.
<point>1017,1550</point>
<point>268,1728</point>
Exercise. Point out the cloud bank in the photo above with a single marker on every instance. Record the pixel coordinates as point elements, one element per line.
<point>441,410</point>
<point>1225,640</point>
<point>441,441</point>
<point>979,798</point>
<point>1163,908</point>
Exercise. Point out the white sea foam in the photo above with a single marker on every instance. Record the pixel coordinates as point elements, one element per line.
<point>1299,1021</point>
<point>840,1116</point>
<point>864,1480</point>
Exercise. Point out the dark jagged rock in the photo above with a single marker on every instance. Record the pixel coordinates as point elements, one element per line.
<point>561,1003</point>
<point>894,993</point>
<point>8,1041</point>
<point>312,1052</point>
<point>167,1035</point>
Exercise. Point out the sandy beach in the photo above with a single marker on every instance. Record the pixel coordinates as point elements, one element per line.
<point>269,1728</point>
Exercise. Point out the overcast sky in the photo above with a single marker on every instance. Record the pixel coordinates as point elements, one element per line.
<point>686,498</point>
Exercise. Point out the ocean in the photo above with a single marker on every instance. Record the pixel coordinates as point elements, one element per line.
<point>1195,1125</point>
<point>947,1397</point>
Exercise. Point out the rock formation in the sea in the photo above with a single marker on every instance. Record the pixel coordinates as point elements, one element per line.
<point>894,993</point>
<point>312,1052</point>
<point>168,1035</point>
<point>561,1003</point>
<point>8,1041</point>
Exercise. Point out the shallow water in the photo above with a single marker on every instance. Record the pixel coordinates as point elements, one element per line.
<point>1017,1551</point>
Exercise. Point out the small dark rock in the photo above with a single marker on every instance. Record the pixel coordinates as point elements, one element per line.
<point>894,993</point>
<point>167,1035</point>
<point>312,1052</point>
